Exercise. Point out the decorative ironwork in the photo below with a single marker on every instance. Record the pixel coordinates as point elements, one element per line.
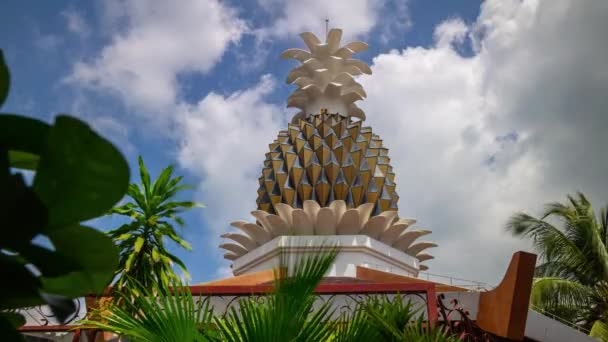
<point>456,319</point>
<point>43,316</point>
<point>344,298</point>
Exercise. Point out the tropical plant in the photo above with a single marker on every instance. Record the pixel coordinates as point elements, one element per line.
<point>78,176</point>
<point>153,212</point>
<point>174,315</point>
<point>289,313</point>
<point>389,319</point>
<point>572,281</point>
<point>159,316</point>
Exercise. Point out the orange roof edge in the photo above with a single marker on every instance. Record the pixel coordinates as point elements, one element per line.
<point>254,278</point>
<point>363,273</point>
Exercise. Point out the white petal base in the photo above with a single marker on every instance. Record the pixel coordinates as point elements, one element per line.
<point>355,250</point>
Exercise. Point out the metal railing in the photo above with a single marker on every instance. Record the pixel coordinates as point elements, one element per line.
<point>559,319</point>
<point>453,281</point>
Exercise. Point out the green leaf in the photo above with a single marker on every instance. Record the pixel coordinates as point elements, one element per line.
<point>96,255</point>
<point>162,180</point>
<point>23,160</point>
<point>599,331</point>
<point>49,263</point>
<point>21,212</point>
<point>19,133</point>
<point>8,331</point>
<point>16,319</point>
<point>129,262</point>
<point>145,176</point>
<point>19,287</point>
<point>79,169</point>
<point>139,242</point>
<point>124,236</point>
<point>155,255</point>
<point>5,79</point>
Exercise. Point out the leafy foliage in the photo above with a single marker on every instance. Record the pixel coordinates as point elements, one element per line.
<point>287,314</point>
<point>78,175</point>
<point>572,281</point>
<point>160,316</point>
<point>141,242</point>
<point>384,319</point>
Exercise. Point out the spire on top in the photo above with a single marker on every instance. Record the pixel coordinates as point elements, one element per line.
<point>325,79</point>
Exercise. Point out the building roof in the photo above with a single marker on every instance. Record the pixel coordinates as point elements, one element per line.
<point>365,275</point>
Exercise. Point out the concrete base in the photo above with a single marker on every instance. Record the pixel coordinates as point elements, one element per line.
<point>355,250</point>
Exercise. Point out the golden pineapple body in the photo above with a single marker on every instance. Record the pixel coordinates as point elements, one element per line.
<point>327,157</point>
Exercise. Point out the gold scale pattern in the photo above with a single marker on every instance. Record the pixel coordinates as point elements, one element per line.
<point>327,157</point>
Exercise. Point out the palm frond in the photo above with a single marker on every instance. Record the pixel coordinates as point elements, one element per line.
<point>421,332</point>
<point>160,316</point>
<point>355,327</point>
<point>552,243</point>
<point>599,331</point>
<point>390,317</point>
<point>288,314</point>
<point>553,292</point>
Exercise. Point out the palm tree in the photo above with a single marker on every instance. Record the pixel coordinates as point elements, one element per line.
<point>153,213</point>
<point>572,280</point>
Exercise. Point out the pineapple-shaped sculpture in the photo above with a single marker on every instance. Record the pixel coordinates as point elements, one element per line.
<point>327,157</point>
<point>327,174</point>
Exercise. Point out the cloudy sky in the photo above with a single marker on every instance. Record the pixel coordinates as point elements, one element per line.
<point>486,108</point>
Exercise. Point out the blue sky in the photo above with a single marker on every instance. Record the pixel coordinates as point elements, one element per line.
<point>469,104</point>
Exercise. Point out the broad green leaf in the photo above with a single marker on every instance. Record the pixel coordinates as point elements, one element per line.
<point>8,331</point>
<point>96,255</point>
<point>16,319</point>
<point>79,169</point>
<point>23,160</point>
<point>49,263</point>
<point>21,211</point>
<point>5,79</point>
<point>139,242</point>
<point>19,287</point>
<point>19,133</point>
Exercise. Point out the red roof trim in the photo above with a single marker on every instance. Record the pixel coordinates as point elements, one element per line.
<point>323,288</point>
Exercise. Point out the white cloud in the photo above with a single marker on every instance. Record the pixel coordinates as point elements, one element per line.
<point>518,124</point>
<point>450,31</point>
<point>355,17</point>
<point>223,140</point>
<point>159,40</point>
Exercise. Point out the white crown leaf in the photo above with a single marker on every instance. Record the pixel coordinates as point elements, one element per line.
<point>325,79</point>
